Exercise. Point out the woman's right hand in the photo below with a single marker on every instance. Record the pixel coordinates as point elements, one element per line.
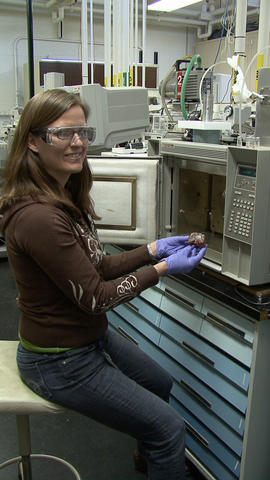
<point>183,261</point>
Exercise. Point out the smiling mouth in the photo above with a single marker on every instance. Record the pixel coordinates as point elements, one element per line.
<point>74,155</point>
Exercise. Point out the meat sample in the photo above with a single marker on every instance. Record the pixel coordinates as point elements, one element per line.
<point>197,239</point>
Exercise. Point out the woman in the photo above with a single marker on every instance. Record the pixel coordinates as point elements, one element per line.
<point>66,352</point>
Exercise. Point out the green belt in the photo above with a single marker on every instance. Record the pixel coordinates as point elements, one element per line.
<point>35,348</point>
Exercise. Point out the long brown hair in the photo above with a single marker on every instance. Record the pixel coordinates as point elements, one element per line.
<point>24,173</point>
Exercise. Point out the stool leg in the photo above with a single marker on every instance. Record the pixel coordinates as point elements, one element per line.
<point>24,442</point>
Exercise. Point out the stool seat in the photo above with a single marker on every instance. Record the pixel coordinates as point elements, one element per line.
<point>16,398</point>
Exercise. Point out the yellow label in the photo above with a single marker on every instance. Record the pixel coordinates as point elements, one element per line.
<point>260,59</point>
<point>119,79</point>
<point>131,76</point>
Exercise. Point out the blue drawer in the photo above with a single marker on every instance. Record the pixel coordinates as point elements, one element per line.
<point>209,355</point>
<point>198,442</point>
<point>153,295</point>
<point>182,303</point>
<point>207,399</point>
<point>220,429</point>
<point>133,318</point>
<point>182,293</point>
<point>228,330</point>
<point>205,372</point>
<point>125,329</point>
<point>213,444</point>
<point>145,309</point>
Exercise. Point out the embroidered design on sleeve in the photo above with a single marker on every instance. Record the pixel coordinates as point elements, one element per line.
<point>77,292</point>
<point>127,286</point>
<point>91,243</point>
<point>125,290</point>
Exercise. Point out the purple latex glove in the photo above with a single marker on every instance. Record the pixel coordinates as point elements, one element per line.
<point>184,260</point>
<point>167,246</point>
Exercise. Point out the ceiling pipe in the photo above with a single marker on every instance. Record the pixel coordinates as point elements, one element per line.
<point>206,34</point>
<point>99,12</point>
<point>151,19</point>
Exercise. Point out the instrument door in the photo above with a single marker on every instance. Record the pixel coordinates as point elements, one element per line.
<point>126,196</point>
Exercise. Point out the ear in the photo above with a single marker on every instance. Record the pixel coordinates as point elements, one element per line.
<point>32,143</point>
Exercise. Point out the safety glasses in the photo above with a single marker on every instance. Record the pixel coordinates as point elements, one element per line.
<point>65,135</point>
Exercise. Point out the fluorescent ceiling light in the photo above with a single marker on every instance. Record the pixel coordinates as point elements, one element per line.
<point>170,5</point>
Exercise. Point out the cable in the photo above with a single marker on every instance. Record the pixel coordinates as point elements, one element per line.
<point>244,297</point>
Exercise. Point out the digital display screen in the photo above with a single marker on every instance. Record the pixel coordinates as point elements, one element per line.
<point>247,171</point>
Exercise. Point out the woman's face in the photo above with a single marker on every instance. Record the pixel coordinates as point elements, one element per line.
<point>61,158</point>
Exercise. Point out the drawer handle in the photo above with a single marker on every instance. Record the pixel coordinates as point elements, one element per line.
<point>196,434</point>
<point>157,289</point>
<point>132,307</point>
<point>227,326</point>
<point>126,335</point>
<point>179,298</point>
<point>195,394</point>
<point>197,353</point>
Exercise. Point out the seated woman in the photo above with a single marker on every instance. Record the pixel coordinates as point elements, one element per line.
<point>67,353</point>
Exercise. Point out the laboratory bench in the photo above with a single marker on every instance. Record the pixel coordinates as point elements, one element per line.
<point>213,336</point>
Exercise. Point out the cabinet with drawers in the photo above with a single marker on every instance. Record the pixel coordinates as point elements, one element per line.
<point>219,359</point>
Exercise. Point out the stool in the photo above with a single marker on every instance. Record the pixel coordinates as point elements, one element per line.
<point>17,398</point>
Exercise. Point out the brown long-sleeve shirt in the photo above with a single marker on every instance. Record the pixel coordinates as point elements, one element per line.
<point>65,282</point>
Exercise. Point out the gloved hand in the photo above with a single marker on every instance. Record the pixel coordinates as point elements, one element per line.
<point>167,246</point>
<point>185,259</point>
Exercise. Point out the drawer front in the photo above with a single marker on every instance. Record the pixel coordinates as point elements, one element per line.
<point>134,319</point>
<point>205,372</point>
<point>228,330</point>
<point>182,303</point>
<point>198,443</point>
<point>221,430</point>
<point>185,295</point>
<point>145,309</point>
<point>208,354</point>
<point>210,441</point>
<point>206,398</point>
<point>125,329</point>
<point>153,295</point>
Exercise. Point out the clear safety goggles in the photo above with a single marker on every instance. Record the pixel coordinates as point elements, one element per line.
<point>65,135</point>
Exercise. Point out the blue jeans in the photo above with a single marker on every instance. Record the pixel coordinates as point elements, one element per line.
<point>120,386</point>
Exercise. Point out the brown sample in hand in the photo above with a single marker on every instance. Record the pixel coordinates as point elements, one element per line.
<point>197,239</point>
